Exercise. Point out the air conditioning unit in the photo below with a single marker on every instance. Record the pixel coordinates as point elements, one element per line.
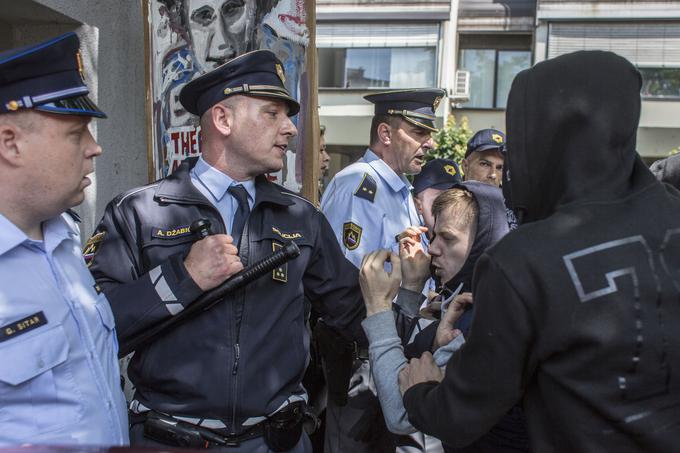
<point>461,87</point>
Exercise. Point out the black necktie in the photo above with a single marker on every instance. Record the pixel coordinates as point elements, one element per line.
<point>239,192</point>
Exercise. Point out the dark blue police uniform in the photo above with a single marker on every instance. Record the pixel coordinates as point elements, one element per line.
<point>244,359</point>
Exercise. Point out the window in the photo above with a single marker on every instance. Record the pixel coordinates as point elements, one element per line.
<point>491,74</point>
<point>377,55</point>
<point>654,47</point>
<point>660,82</point>
<point>397,67</point>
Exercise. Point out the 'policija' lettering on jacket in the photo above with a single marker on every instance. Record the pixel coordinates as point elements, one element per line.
<point>245,356</point>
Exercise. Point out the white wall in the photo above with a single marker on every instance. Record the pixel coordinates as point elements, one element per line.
<point>112,36</point>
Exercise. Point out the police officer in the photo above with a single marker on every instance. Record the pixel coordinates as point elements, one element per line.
<point>59,375</point>
<point>235,370</point>
<point>324,158</point>
<point>484,157</point>
<point>436,176</point>
<point>368,204</point>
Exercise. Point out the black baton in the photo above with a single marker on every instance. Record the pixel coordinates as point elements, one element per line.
<point>213,296</point>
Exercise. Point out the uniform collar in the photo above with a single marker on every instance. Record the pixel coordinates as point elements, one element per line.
<point>55,231</point>
<point>58,229</point>
<point>178,187</point>
<point>217,182</point>
<point>10,235</point>
<point>268,192</point>
<point>397,183</point>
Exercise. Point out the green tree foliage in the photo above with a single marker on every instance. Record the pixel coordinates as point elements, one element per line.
<point>451,140</point>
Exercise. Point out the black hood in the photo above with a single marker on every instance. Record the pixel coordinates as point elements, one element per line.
<point>492,225</point>
<point>571,131</point>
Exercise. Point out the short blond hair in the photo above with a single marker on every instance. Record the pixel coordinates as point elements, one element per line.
<point>461,201</point>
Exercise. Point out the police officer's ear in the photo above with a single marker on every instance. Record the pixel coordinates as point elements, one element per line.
<point>221,117</point>
<point>11,134</point>
<point>464,164</point>
<point>385,133</point>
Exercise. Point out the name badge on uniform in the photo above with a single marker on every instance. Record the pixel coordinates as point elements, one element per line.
<point>22,326</point>
<point>171,233</point>
<point>280,274</point>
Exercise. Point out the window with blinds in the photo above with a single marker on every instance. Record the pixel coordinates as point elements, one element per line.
<point>370,34</point>
<point>654,47</point>
<point>648,44</point>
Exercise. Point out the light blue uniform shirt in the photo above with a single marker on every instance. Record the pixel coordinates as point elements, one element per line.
<point>380,220</point>
<point>213,184</point>
<point>59,375</point>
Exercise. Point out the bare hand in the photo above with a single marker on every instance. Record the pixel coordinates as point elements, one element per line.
<point>212,260</point>
<point>379,287</point>
<point>415,261</point>
<point>418,371</point>
<point>445,331</point>
<point>412,232</point>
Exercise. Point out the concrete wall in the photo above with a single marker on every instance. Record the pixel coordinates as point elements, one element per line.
<point>112,43</point>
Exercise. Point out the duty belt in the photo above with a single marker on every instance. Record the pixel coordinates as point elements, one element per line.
<point>280,432</point>
<point>137,407</point>
<point>170,430</point>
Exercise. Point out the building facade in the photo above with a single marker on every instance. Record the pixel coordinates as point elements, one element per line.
<point>365,46</point>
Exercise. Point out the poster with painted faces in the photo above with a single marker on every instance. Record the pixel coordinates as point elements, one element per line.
<point>191,37</point>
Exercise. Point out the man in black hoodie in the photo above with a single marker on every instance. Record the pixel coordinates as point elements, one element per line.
<point>576,310</point>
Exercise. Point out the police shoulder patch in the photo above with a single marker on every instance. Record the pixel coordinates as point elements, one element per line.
<point>367,188</point>
<point>92,247</point>
<point>351,235</point>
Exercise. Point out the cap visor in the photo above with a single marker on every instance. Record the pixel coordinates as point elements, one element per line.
<point>79,105</point>
<point>421,123</point>
<point>438,186</point>
<point>293,106</point>
<point>499,148</point>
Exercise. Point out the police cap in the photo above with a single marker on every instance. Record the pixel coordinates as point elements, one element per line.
<point>47,77</point>
<point>439,174</point>
<point>415,106</point>
<point>258,73</point>
<point>485,140</point>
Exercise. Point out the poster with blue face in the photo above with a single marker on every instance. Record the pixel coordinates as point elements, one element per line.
<point>191,37</point>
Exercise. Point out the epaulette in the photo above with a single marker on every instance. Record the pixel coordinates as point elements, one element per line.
<point>74,215</point>
<point>367,188</point>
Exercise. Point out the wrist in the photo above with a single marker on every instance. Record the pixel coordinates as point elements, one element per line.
<point>416,285</point>
<point>412,287</point>
<point>374,309</point>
